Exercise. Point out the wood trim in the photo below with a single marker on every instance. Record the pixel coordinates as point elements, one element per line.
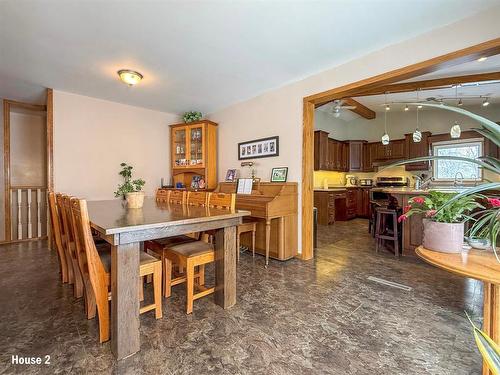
<point>6,168</point>
<point>468,134</point>
<point>431,84</point>
<point>50,139</point>
<point>28,106</point>
<point>489,48</point>
<point>360,109</point>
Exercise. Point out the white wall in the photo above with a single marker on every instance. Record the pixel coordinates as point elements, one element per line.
<point>92,137</point>
<point>279,112</point>
<point>400,123</point>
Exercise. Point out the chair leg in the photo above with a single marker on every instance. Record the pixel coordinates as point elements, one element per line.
<point>167,277</point>
<point>90,304</point>
<point>141,288</point>
<point>395,234</point>
<point>253,241</point>
<point>377,231</point>
<point>238,246</point>
<point>103,313</point>
<point>157,290</point>
<point>78,285</point>
<point>189,286</point>
<point>69,267</point>
<point>201,273</point>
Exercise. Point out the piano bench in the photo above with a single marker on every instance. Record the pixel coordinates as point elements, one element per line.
<point>245,227</point>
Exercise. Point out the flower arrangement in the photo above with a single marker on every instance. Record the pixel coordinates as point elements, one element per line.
<point>192,116</point>
<point>486,224</point>
<point>431,205</point>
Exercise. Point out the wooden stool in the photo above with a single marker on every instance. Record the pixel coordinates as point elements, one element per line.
<point>250,226</point>
<point>383,232</point>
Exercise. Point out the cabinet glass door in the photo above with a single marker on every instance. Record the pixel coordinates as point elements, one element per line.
<point>196,152</point>
<point>180,147</point>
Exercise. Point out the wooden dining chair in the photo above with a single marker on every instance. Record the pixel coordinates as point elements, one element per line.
<point>64,238</point>
<point>162,195</point>
<point>194,255</point>
<point>177,196</point>
<point>55,226</point>
<point>99,270</point>
<point>159,246</point>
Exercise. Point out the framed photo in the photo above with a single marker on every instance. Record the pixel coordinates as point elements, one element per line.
<point>231,175</point>
<point>279,174</point>
<point>259,148</point>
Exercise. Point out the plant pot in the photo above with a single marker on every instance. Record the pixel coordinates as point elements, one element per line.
<point>135,200</point>
<point>443,237</point>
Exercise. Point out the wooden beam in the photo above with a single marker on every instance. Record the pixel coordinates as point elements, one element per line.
<point>486,49</point>
<point>431,84</point>
<point>360,109</point>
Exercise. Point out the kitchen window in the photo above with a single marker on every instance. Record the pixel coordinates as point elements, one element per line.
<point>448,170</point>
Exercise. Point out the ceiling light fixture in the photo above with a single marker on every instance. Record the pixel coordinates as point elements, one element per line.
<point>385,137</point>
<point>336,113</point>
<point>130,77</point>
<point>417,134</point>
<point>486,102</point>
<point>483,58</point>
<point>420,106</point>
<point>460,103</point>
<point>455,130</point>
<point>407,108</point>
<point>387,107</point>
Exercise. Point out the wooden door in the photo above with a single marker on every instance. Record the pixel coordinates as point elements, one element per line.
<point>356,155</point>
<point>180,146</point>
<point>397,149</point>
<point>321,156</point>
<point>415,150</point>
<point>332,155</point>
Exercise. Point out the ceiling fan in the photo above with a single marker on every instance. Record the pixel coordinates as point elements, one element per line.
<point>338,106</point>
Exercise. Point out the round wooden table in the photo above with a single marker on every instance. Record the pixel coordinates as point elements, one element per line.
<point>480,265</point>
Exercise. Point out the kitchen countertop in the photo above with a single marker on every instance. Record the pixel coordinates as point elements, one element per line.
<point>331,189</point>
<point>409,190</point>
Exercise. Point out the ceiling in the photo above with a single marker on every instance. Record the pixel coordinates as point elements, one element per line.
<point>197,55</point>
<point>470,93</point>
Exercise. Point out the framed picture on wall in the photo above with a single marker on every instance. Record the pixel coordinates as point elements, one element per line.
<point>279,174</point>
<point>259,148</point>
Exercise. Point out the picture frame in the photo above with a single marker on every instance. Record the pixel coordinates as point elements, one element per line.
<point>231,175</point>
<point>279,174</point>
<point>259,148</point>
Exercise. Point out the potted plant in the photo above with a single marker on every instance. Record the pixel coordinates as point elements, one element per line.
<point>443,228</point>
<point>131,190</point>
<point>192,116</point>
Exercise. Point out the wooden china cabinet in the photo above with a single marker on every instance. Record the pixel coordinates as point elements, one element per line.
<point>194,153</point>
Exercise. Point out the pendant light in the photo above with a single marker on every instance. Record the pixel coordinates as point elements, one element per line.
<point>455,130</point>
<point>385,138</point>
<point>417,134</point>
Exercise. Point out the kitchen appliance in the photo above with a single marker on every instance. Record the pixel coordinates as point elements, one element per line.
<point>351,181</point>
<point>365,182</point>
<point>392,181</point>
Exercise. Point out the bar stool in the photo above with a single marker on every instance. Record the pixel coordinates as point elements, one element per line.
<point>383,231</point>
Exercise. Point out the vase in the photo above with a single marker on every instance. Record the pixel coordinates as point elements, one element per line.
<point>443,237</point>
<point>135,199</point>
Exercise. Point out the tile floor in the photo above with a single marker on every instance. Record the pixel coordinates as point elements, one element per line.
<point>316,317</point>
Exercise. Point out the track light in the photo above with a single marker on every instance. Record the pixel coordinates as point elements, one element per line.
<point>486,102</point>
<point>455,130</point>
<point>407,108</point>
<point>481,59</point>
<point>387,107</point>
<point>420,106</point>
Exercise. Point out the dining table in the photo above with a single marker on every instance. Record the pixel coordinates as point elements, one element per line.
<point>125,229</point>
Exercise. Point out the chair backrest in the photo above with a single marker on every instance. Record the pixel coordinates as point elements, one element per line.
<point>197,198</point>
<point>59,203</point>
<point>177,196</point>
<point>93,264</point>
<point>55,225</point>
<point>225,201</point>
<point>162,195</point>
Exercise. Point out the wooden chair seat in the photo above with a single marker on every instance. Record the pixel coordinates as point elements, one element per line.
<point>192,249</point>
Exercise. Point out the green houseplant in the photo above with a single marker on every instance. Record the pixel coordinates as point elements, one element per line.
<point>443,228</point>
<point>131,190</point>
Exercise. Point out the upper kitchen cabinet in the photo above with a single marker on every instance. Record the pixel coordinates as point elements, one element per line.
<point>369,155</point>
<point>417,149</point>
<point>395,150</point>
<point>330,154</point>
<point>194,152</point>
<point>321,156</point>
<point>356,155</point>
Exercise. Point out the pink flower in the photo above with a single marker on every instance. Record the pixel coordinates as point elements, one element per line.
<point>403,217</point>
<point>406,209</point>
<point>419,200</point>
<point>495,202</point>
<point>430,213</point>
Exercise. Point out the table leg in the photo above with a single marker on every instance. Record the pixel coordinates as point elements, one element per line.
<point>124,301</point>
<point>225,267</point>
<point>491,316</point>
<point>281,237</point>
<point>268,240</point>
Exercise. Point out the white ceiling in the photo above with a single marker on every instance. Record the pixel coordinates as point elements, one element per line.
<point>197,55</point>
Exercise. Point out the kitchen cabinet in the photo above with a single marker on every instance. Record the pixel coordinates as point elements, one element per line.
<point>344,160</point>
<point>395,150</point>
<point>415,150</point>
<point>356,152</point>
<point>351,203</point>
<point>369,156</point>
<point>327,202</point>
<point>334,155</point>
<point>194,152</point>
<point>321,156</point>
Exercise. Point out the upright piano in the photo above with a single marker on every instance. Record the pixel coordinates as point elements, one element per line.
<point>274,207</point>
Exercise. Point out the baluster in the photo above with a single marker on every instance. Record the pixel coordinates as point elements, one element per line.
<point>38,215</point>
<point>19,222</point>
<point>30,225</point>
